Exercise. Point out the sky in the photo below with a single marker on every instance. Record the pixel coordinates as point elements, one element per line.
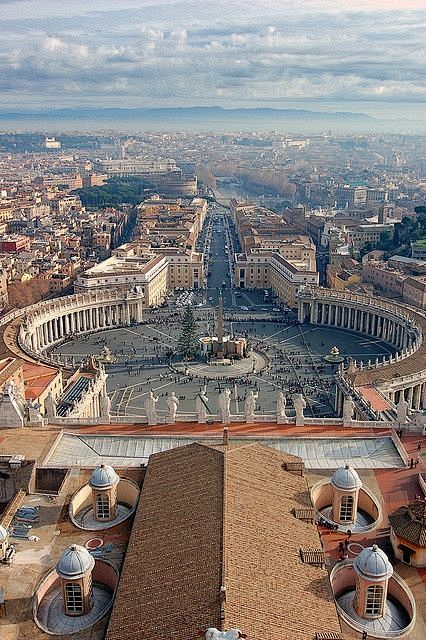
<point>363,56</point>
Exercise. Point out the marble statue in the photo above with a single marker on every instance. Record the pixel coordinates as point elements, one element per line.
<point>348,411</point>
<point>50,406</point>
<point>172,403</point>
<point>150,407</point>
<point>250,405</point>
<point>34,414</point>
<point>281,405</point>
<point>201,406</point>
<point>402,409</point>
<point>224,405</point>
<point>105,406</point>
<point>232,634</point>
<point>299,404</point>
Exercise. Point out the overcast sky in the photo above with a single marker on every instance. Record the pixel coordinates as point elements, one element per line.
<point>348,55</point>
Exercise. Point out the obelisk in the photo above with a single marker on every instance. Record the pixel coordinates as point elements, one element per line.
<point>219,329</point>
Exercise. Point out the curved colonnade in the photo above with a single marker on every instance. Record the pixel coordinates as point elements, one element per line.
<point>401,327</point>
<point>43,325</point>
<point>32,331</point>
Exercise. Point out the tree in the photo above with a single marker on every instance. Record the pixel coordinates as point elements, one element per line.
<point>187,342</point>
<point>22,294</point>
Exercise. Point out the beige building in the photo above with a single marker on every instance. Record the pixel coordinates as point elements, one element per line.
<point>271,270</point>
<point>343,274</point>
<point>414,291</point>
<point>130,265</point>
<point>359,235</point>
<point>185,268</point>
<point>169,222</point>
<point>411,289</point>
<point>380,276</point>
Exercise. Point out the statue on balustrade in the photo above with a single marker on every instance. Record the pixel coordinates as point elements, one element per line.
<point>224,405</point>
<point>150,408</point>
<point>299,404</point>
<point>348,411</point>
<point>201,406</point>
<point>50,406</point>
<point>250,405</point>
<point>172,403</point>
<point>34,416</point>
<point>402,409</point>
<point>281,405</point>
<point>105,406</point>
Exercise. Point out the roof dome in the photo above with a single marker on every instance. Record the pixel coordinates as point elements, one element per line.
<point>3,534</point>
<point>346,478</point>
<point>74,562</point>
<point>372,563</point>
<point>104,477</point>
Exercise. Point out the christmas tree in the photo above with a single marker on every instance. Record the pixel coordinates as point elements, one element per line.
<point>188,343</point>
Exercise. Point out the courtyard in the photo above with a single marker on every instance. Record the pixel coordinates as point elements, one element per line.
<point>288,357</point>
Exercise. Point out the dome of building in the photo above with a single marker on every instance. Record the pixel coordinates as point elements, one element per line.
<point>346,478</point>
<point>3,534</point>
<point>103,477</point>
<point>74,562</point>
<point>373,564</point>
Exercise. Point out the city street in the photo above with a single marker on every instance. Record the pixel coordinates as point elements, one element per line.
<point>292,355</point>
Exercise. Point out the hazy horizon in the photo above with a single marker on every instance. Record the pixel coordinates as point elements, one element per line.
<point>364,56</point>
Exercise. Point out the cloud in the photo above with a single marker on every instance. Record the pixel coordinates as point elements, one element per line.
<point>171,53</point>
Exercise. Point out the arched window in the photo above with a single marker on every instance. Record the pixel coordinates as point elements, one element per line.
<point>346,509</point>
<point>102,506</point>
<point>73,598</point>
<point>374,600</point>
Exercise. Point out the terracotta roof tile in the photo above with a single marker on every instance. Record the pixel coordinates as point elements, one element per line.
<point>409,522</point>
<point>221,516</point>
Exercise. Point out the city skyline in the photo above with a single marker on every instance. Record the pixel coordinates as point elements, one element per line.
<point>364,57</point>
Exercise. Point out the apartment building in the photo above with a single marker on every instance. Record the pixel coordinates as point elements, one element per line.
<point>170,222</point>
<point>272,270</point>
<point>129,266</point>
<point>185,268</point>
<point>408,288</point>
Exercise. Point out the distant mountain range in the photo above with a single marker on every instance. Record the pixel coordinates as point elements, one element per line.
<point>184,113</point>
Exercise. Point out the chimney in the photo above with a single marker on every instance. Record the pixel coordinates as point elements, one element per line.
<point>225,436</point>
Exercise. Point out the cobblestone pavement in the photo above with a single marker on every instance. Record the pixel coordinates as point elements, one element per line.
<point>294,356</point>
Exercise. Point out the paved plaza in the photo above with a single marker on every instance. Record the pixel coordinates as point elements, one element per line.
<point>132,451</point>
<point>289,358</point>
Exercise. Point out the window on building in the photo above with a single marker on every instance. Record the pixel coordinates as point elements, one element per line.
<point>73,598</point>
<point>374,600</point>
<point>346,509</point>
<point>102,506</point>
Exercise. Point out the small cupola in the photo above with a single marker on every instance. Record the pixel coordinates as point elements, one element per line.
<point>75,568</point>
<point>104,481</point>
<point>373,571</point>
<point>346,484</point>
